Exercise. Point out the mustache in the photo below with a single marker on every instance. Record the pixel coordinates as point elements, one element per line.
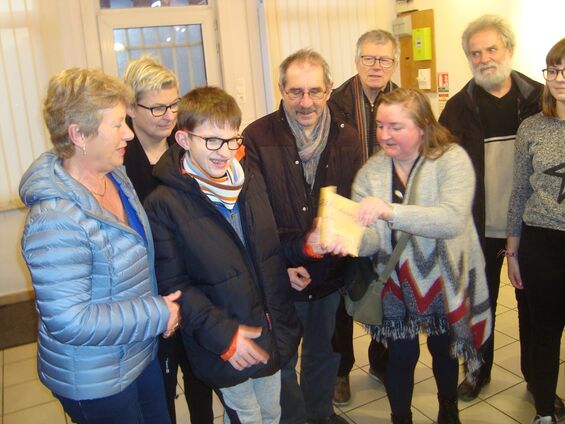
<point>306,110</point>
<point>491,64</point>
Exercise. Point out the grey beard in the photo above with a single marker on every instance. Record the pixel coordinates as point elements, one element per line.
<point>494,81</point>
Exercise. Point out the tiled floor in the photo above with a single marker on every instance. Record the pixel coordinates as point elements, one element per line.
<point>505,401</point>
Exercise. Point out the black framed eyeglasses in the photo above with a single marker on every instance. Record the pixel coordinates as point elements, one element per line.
<point>216,143</point>
<point>298,93</point>
<point>550,74</point>
<point>385,62</point>
<point>158,111</point>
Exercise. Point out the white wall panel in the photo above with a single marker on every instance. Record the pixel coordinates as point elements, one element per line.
<point>330,27</point>
<point>21,72</point>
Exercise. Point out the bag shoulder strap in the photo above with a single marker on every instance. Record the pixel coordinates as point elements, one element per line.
<point>403,240</point>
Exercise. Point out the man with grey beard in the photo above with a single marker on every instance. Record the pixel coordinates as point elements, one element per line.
<point>485,116</point>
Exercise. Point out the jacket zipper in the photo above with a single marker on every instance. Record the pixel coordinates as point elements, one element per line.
<point>250,262</point>
<point>251,259</point>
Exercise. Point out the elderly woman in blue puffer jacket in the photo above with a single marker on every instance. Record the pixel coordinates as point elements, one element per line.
<point>88,246</point>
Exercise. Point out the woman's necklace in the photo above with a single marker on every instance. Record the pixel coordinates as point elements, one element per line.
<point>101,195</point>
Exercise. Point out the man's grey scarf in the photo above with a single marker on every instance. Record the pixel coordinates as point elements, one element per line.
<point>310,147</point>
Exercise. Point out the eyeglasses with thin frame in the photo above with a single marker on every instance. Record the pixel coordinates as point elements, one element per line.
<point>550,74</point>
<point>216,143</point>
<point>158,111</point>
<point>385,62</point>
<point>298,93</point>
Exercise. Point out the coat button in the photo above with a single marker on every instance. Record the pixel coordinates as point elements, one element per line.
<point>310,296</point>
<point>341,125</point>
<point>304,208</point>
<point>296,162</point>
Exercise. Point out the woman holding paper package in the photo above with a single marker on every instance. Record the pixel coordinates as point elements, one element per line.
<point>421,183</point>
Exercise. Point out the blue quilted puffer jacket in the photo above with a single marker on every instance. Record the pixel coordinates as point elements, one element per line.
<point>94,282</point>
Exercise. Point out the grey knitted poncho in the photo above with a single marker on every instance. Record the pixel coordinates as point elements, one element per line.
<point>440,284</point>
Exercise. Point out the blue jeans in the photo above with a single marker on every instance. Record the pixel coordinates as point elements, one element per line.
<point>143,401</point>
<point>256,400</point>
<point>319,364</point>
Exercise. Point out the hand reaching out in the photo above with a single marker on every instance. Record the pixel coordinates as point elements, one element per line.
<point>372,209</point>
<point>247,353</point>
<point>174,313</point>
<point>313,240</point>
<point>299,278</point>
<point>336,247</point>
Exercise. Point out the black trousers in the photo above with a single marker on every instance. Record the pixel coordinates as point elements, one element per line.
<point>492,269</point>
<point>542,268</point>
<point>402,360</point>
<point>342,343</point>
<point>493,266</point>
<point>198,396</point>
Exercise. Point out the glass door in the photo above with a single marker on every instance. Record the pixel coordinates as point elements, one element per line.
<point>182,38</point>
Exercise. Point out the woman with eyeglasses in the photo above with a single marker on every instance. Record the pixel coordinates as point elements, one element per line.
<point>536,230</point>
<point>153,117</point>
<point>88,246</point>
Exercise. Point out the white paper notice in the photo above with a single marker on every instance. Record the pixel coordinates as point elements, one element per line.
<point>424,79</point>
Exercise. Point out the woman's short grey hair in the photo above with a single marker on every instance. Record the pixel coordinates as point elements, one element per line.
<point>78,96</point>
<point>489,22</point>
<point>305,56</point>
<point>378,36</point>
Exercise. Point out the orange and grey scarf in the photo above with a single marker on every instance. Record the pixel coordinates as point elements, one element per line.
<point>223,190</point>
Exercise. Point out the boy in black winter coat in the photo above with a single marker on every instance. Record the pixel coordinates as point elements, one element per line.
<point>216,240</point>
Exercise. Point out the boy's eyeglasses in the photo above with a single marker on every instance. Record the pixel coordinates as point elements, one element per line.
<point>216,143</point>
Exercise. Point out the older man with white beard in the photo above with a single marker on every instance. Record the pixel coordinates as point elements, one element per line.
<point>485,116</point>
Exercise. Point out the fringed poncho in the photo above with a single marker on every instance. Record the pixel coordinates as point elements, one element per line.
<point>439,285</point>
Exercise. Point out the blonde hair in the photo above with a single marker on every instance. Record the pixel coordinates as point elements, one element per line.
<point>145,74</point>
<point>436,138</point>
<point>78,96</point>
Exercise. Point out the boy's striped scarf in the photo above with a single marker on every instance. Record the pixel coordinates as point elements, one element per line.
<point>225,189</point>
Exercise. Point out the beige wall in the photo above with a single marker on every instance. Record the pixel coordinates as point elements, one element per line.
<point>14,278</point>
<point>537,23</point>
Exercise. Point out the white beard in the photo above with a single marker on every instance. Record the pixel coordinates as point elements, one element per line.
<point>492,81</point>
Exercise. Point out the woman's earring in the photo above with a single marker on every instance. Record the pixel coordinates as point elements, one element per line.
<point>84,149</point>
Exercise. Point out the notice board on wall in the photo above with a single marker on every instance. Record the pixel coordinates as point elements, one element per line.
<point>417,53</point>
